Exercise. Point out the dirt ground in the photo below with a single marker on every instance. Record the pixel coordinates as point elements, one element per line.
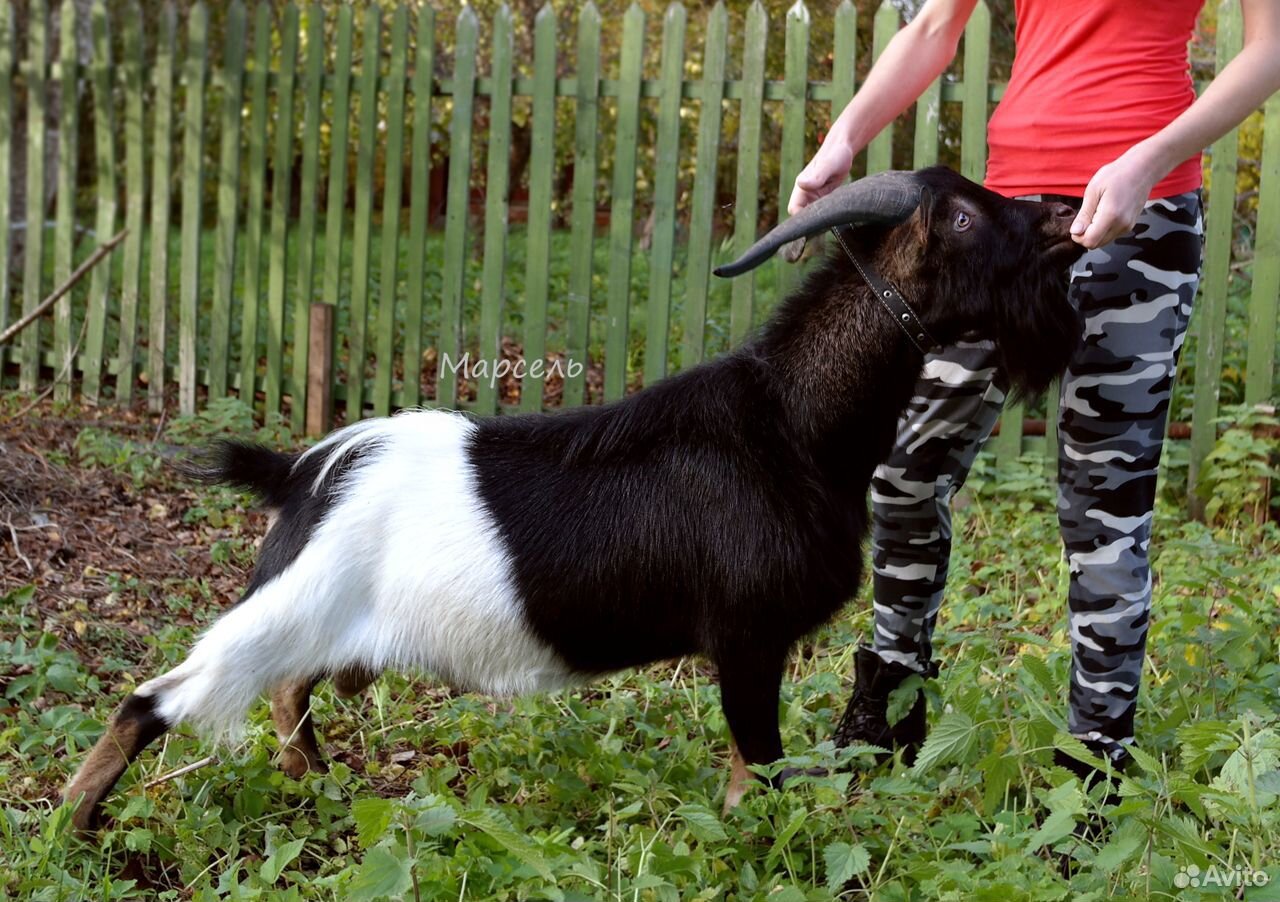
<point>101,547</point>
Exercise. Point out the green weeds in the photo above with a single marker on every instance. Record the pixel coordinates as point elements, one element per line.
<point>614,791</point>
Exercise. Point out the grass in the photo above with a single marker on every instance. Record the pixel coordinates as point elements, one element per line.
<point>614,791</point>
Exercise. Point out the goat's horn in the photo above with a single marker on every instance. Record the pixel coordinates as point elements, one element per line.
<point>886,197</point>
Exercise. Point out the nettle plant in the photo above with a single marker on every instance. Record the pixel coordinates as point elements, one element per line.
<point>1237,479</point>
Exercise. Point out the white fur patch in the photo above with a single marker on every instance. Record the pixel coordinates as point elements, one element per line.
<point>406,572</point>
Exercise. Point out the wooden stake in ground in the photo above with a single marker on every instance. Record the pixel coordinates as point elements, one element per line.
<point>319,370</point>
<point>81,271</point>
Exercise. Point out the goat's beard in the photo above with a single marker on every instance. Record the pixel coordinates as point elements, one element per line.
<point>1040,330</point>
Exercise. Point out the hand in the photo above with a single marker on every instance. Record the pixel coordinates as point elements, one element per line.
<point>1114,199</point>
<point>823,175</point>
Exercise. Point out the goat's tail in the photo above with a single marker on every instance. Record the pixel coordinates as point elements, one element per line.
<point>262,471</point>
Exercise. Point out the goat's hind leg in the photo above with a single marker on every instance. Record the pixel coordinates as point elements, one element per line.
<point>291,712</point>
<point>134,726</point>
<point>350,681</point>
<point>295,721</point>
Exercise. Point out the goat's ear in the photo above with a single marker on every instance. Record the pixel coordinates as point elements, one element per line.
<point>924,215</point>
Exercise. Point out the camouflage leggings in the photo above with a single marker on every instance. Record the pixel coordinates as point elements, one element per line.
<point>1135,295</point>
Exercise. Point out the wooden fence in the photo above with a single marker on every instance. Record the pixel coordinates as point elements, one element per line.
<point>269,125</point>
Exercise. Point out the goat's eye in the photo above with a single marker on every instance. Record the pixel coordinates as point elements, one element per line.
<point>963,221</point>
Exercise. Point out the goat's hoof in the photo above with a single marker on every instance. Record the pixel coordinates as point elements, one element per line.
<point>87,818</point>
<point>297,764</point>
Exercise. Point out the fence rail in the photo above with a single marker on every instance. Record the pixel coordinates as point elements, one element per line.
<point>249,117</point>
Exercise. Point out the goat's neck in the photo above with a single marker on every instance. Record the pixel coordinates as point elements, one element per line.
<point>846,371</point>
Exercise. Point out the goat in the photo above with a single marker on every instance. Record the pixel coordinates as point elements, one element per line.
<point>717,512</point>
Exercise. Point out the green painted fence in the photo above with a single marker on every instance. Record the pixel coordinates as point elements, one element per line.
<point>224,309</point>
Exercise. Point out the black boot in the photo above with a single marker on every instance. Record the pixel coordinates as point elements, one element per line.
<point>1091,776</point>
<point>1093,827</point>
<point>866,719</point>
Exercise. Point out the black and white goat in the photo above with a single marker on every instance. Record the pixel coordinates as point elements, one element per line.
<point>718,512</point>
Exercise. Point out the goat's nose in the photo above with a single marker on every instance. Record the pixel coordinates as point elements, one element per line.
<point>1061,211</point>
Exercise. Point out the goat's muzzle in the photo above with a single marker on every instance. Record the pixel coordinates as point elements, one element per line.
<point>1056,243</point>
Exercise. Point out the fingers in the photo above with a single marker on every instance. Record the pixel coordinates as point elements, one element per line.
<point>823,174</point>
<point>1107,223</point>
<point>1089,207</point>
<point>1105,228</point>
<point>808,188</point>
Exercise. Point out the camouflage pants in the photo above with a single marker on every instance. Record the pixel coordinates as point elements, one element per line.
<point>1135,295</point>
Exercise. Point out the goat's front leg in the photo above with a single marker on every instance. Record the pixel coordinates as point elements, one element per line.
<point>749,684</point>
<point>291,711</point>
<point>133,727</point>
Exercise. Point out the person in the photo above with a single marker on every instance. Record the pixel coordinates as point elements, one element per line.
<point>1100,112</point>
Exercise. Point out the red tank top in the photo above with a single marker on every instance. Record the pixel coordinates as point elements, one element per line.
<point>1091,78</point>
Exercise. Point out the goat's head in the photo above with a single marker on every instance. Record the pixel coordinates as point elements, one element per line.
<point>969,261</point>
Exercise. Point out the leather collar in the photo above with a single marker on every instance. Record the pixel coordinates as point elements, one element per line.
<point>891,299</point>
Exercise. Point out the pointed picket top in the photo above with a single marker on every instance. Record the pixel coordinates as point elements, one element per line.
<point>634,14</point>
<point>589,12</point>
<point>502,14</point>
<point>467,17</point>
<point>844,52</point>
<point>543,12</point>
<point>887,16</point>
<point>801,12</point>
<point>717,15</point>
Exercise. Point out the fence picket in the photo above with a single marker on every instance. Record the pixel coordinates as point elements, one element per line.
<point>312,83</point>
<point>419,204</point>
<point>1260,357</point>
<point>884,27</point>
<point>583,225</point>
<point>844,56</point>
<point>161,168</point>
<point>973,121</point>
<point>1052,399</point>
<point>357,324</point>
<point>496,181</point>
<point>928,115</point>
<point>1211,310</point>
<point>457,199</point>
<point>281,182</point>
<point>6,139</point>
<point>538,246</point>
<point>391,185</point>
<point>666,166</point>
<point>698,277</point>
<point>134,210</point>
<point>792,156</point>
<point>623,203</point>
<point>746,195</point>
<point>336,193</point>
<point>104,141</point>
<point>192,178</point>
<point>64,216</point>
<point>33,244</point>
<point>973,165</point>
<point>251,306</point>
<point>228,190</point>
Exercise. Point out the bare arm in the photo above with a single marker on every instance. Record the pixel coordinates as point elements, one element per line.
<point>1117,192</point>
<point>916,56</point>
